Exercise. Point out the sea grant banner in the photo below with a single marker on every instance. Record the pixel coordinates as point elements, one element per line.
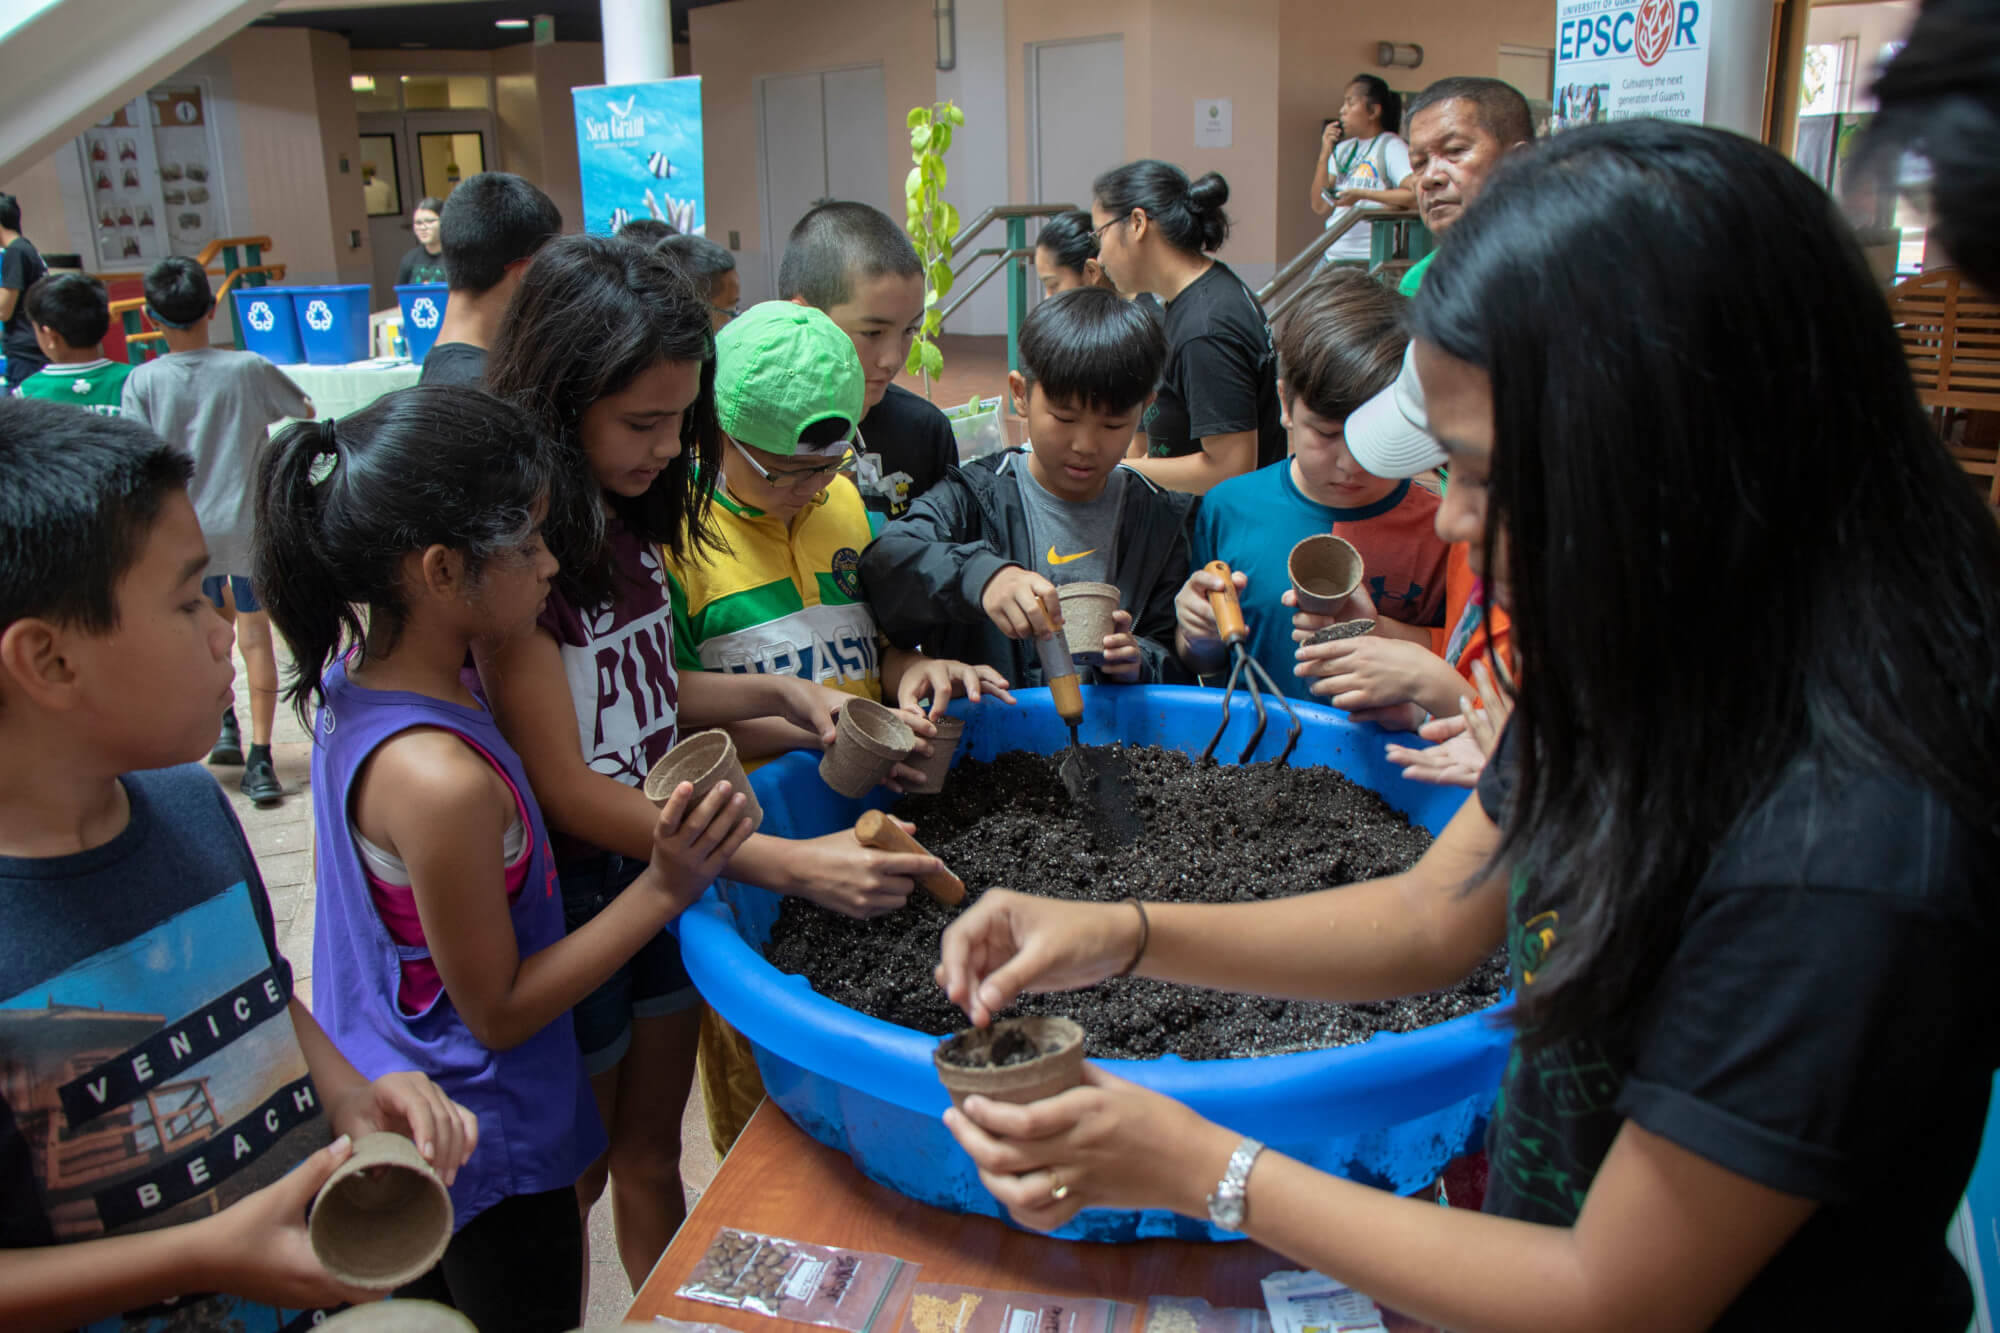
<point>638,146</point>
<point>1621,59</point>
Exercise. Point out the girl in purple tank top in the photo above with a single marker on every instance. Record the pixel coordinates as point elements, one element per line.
<point>440,941</point>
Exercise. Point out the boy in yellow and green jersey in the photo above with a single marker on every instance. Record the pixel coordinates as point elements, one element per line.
<point>782,591</point>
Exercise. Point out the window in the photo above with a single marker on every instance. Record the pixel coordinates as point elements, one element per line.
<point>380,185</point>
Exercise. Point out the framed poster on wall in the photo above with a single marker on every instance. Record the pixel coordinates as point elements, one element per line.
<point>151,180</point>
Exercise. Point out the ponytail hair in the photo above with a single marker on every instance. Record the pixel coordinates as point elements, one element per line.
<point>1190,216</point>
<point>340,504</point>
<point>1388,103</point>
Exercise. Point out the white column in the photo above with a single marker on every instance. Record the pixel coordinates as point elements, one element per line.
<point>638,40</point>
<point>1739,56</point>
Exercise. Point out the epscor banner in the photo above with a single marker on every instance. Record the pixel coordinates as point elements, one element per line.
<point>1617,59</point>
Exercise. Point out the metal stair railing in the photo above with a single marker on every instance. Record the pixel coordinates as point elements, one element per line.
<point>1395,233</point>
<point>1014,256</point>
<point>130,313</point>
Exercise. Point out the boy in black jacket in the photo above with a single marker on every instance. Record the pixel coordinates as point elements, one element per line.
<point>971,571</point>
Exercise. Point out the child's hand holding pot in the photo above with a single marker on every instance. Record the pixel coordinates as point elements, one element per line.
<point>1122,662</point>
<point>693,841</point>
<point>1358,606</point>
<point>1107,1144</point>
<point>1010,942</point>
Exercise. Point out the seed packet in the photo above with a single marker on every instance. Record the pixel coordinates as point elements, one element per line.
<point>1315,1303</point>
<point>810,1284</point>
<point>949,1308</point>
<point>1178,1314</point>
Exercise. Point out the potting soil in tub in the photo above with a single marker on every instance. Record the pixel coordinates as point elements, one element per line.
<point>1212,834</point>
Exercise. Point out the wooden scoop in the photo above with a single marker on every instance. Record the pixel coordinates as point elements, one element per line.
<point>877,830</point>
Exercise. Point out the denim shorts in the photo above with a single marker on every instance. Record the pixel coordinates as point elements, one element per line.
<point>239,588</point>
<point>650,984</point>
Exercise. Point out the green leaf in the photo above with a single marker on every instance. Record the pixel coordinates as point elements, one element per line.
<point>952,114</point>
<point>930,297</point>
<point>920,138</point>
<point>941,277</point>
<point>947,219</point>
<point>915,362</point>
<point>930,166</point>
<point>933,358</point>
<point>941,138</point>
<point>939,179</point>
<point>933,321</point>
<point>919,115</point>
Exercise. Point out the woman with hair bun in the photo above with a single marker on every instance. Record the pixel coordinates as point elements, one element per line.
<point>1216,414</point>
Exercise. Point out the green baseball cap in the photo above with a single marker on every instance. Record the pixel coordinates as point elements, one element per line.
<point>781,367</point>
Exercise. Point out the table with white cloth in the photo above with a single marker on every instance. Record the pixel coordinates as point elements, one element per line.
<point>338,390</point>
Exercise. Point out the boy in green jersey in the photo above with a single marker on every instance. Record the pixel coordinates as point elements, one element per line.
<point>71,314</point>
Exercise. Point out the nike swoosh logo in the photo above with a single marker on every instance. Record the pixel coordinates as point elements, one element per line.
<point>1055,559</point>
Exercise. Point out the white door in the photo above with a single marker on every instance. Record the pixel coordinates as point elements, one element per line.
<point>820,136</point>
<point>1076,106</point>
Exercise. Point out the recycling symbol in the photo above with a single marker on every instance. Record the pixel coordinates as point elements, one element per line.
<point>261,318</point>
<point>424,313</point>
<point>319,316</point>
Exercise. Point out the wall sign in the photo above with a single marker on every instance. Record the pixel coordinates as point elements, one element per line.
<point>1622,59</point>
<point>1212,128</point>
<point>150,179</point>
<point>638,146</point>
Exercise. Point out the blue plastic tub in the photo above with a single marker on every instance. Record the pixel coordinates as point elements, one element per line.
<point>267,325</point>
<point>423,312</point>
<point>333,323</point>
<point>1390,1112</point>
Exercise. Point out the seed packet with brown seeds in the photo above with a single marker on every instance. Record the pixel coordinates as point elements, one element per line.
<point>1191,1314</point>
<point>810,1284</point>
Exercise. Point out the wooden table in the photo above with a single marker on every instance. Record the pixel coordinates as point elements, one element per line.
<point>780,1182</point>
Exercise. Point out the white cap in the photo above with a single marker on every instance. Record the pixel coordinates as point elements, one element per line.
<point>1389,435</point>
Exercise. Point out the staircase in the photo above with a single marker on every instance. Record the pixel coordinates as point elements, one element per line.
<point>66,64</point>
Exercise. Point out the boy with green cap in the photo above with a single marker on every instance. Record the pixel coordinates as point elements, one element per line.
<point>782,591</point>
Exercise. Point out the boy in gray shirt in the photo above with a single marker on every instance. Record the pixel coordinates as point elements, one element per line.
<point>219,405</point>
<point>971,571</point>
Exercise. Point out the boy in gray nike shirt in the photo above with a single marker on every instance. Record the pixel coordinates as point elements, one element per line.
<point>971,572</point>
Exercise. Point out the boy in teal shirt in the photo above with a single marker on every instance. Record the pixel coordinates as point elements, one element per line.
<point>71,313</point>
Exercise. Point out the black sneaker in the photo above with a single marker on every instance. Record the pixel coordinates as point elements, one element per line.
<point>228,751</point>
<point>260,780</point>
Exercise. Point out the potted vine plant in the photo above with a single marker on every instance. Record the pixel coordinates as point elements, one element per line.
<point>931,223</point>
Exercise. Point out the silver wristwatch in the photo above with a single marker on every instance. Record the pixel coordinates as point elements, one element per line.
<point>1225,1206</point>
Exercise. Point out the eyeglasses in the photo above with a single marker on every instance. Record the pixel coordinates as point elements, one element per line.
<point>794,479</point>
<point>728,312</point>
<point>1097,233</point>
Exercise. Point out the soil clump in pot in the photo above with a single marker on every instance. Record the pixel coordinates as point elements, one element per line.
<point>1214,834</point>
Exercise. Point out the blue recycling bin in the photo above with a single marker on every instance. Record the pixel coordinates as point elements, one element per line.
<point>423,313</point>
<point>332,323</point>
<point>1390,1111</point>
<point>267,325</point>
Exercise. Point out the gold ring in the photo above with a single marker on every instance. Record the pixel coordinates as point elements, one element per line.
<point>1057,1191</point>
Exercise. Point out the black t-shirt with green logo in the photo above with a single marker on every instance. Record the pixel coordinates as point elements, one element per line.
<point>1824,1027</point>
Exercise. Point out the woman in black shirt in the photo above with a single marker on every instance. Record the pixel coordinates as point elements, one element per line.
<point>425,261</point>
<point>1216,415</point>
<point>1741,840</point>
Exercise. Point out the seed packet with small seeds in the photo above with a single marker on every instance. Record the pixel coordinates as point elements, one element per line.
<point>949,1308</point>
<point>809,1284</point>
